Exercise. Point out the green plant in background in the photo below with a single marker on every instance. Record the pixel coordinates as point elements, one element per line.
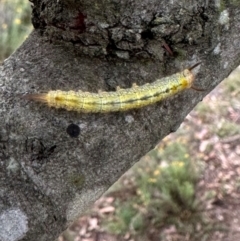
<point>231,87</point>
<point>15,25</point>
<point>124,216</point>
<point>227,128</point>
<point>165,195</point>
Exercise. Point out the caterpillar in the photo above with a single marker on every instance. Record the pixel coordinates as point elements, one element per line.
<point>122,99</point>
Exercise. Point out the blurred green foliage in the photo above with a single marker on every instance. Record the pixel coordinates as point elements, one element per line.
<point>15,25</point>
<point>165,195</point>
<point>227,128</point>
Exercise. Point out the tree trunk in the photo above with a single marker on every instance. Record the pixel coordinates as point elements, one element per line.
<point>49,172</point>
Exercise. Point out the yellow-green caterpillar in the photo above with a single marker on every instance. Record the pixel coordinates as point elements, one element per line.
<point>122,99</point>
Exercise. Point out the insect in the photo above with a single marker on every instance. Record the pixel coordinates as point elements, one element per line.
<point>122,99</point>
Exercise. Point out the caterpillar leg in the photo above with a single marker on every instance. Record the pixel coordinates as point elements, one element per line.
<point>134,85</point>
<point>118,88</point>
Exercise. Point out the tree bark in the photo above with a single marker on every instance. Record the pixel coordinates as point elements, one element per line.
<point>49,174</point>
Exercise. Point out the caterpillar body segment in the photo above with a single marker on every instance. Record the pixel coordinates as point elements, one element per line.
<point>122,99</point>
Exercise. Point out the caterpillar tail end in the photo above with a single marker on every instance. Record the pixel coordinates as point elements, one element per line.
<point>36,97</point>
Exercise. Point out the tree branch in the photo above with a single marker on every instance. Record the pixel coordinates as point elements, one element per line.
<point>49,174</point>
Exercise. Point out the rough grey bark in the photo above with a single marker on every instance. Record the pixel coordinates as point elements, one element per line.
<point>48,177</point>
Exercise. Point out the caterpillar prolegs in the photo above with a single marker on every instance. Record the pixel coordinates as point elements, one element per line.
<point>122,99</point>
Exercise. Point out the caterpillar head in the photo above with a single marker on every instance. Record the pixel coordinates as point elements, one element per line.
<point>189,73</point>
